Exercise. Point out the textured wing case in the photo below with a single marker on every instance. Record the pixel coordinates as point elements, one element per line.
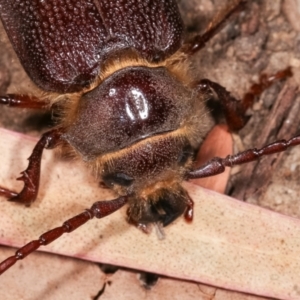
<point>62,43</point>
<point>57,42</point>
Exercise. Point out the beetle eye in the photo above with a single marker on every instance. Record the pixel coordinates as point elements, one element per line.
<point>117,178</point>
<point>186,153</point>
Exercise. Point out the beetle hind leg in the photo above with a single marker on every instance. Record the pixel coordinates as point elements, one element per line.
<point>199,41</point>
<point>23,101</point>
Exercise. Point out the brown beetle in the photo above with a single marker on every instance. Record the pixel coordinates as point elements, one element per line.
<point>130,110</point>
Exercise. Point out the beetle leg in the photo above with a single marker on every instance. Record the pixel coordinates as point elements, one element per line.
<point>23,101</point>
<point>217,165</point>
<point>31,176</point>
<point>199,41</point>
<point>235,110</point>
<point>99,210</point>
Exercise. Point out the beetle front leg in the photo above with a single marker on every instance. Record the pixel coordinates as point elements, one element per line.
<point>31,176</point>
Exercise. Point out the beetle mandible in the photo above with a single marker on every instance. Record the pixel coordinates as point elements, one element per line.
<point>131,110</point>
